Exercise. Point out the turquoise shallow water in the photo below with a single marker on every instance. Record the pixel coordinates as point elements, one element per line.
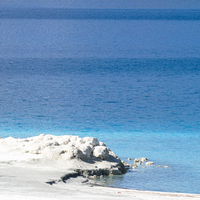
<point>128,77</point>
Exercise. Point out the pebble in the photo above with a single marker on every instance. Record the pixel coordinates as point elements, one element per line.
<point>134,167</point>
<point>139,163</point>
<point>149,163</point>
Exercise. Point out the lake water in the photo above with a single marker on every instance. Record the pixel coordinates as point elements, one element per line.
<point>129,77</point>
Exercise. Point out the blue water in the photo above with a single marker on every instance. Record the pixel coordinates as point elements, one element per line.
<point>129,77</point>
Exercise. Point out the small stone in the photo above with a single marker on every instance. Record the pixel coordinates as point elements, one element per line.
<point>144,159</point>
<point>110,174</point>
<point>139,163</point>
<point>140,159</point>
<point>149,163</point>
<point>134,167</point>
<point>129,158</point>
<point>137,160</point>
<point>94,176</point>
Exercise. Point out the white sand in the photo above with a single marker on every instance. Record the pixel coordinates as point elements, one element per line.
<point>25,176</point>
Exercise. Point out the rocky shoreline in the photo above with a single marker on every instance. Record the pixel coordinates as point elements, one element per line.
<point>86,156</point>
<point>53,167</point>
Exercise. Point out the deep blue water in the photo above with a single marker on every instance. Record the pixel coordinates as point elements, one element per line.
<point>131,78</point>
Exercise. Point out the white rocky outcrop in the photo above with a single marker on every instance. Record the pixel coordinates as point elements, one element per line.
<point>66,152</point>
<point>74,146</point>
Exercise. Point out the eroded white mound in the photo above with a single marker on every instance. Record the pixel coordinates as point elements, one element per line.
<point>63,152</point>
<point>53,147</point>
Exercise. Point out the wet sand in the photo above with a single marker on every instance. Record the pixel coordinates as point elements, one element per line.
<point>31,183</point>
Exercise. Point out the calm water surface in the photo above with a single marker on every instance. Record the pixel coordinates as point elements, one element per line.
<point>131,78</point>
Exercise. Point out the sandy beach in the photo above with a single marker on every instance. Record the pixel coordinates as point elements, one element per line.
<point>27,176</point>
<point>22,183</point>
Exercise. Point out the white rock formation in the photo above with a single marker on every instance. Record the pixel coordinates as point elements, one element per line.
<point>66,152</point>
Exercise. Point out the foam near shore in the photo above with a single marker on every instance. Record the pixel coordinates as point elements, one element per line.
<point>59,167</point>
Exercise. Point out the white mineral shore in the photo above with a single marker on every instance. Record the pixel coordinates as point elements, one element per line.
<point>43,167</point>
